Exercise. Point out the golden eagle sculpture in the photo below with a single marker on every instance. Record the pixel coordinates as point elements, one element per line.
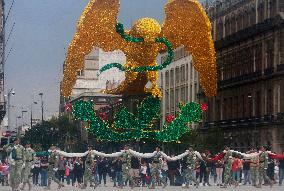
<point>186,24</point>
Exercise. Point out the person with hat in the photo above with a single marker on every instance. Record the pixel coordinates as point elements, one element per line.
<point>88,169</point>
<point>263,164</point>
<point>156,168</point>
<point>29,154</point>
<point>17,163</point>
<point>126,166</point>
<point>52,168</point>
<point>190,167</point>
<point>228,167</point>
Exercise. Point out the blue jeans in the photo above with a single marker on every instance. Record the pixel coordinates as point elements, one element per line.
<point>247,177</point>
<point>281,175</point>
<point>43,174</point>
<point>118,179</point>
<point>70,178</point>
<point>236,176</point>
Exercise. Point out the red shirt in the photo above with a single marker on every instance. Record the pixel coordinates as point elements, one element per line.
<point>236,165</point>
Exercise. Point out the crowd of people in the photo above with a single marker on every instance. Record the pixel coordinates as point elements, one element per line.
<point>205,170</point>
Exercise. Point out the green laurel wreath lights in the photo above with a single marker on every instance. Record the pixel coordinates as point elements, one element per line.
<point>168,44</point>
<point>127,126</point>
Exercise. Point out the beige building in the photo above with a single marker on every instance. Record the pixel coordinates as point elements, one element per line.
<point>249,39</point>
<point>179,82</point>
<point>87,79</point>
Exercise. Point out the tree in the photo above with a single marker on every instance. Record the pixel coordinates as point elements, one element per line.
<point>59,131</point>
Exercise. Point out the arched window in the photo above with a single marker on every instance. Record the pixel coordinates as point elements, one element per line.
<point>240,22</point>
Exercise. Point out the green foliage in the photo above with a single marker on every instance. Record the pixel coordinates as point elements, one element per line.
<point>53,132</point>
<point>128,127</point>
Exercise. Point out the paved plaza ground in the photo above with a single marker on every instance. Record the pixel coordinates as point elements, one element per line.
<point>170,188</point>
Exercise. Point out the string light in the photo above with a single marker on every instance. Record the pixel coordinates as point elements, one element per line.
<point>186,23</point>
<point>127,126</point>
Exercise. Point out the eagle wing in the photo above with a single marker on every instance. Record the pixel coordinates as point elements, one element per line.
<point>96,28</point>
<point>187,24</point>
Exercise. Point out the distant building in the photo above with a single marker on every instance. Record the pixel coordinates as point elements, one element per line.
<point>87,79</point>
<point>249,40</point>
<point>179,82</point>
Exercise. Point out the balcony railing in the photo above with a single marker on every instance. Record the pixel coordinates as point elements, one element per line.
<point>246,122</point>
<point>240,78</point>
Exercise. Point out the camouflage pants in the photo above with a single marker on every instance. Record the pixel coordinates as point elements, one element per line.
<point>189,175</point>
<point>156,174</point>
<point>254,175</point>
<point>88,177</point>
<point>263,175</point>
<point>51,175</point>
<point>15,175</point>
<point>27,172</point>
<point>126,174</point>
<point>227,175</point>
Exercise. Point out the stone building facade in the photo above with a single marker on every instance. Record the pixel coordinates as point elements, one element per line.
<point>249,40</point>
<point>179,82</point>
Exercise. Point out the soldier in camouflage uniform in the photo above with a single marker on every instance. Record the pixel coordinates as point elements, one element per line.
<point>126,166</point>
<point>263,164</point>
<point>29,160</point>
<point>156,169</point>
<point>254,167</point>
<point>52,167</point>
<point>88,169</point>
<point>190,164</point>
<point>17,152</point>
<point>228,167</point>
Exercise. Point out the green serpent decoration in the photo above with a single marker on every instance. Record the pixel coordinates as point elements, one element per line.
<point>127,126</point>
<point>121,32</point>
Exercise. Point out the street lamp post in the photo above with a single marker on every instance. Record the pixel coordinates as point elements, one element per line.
<point>32,113</point>
<point>10,93</point>
<point>41,94</point>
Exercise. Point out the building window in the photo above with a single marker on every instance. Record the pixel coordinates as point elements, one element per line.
<point>261,12</point>
<point>258,57</point>
<point>239,22</point>
<point>182,74</point>
<point>245,20</point>
<point>270,53</point>
<point>269,102</point>
<point>219,30</point>
<point>227,26</point>
<point>252,16</point>
<point>258,104</point>
<point>225,109</point>
<point>172,78</point>
<point>167,79</point>
<point>167,101</point>
<point>272,8</point>
<point>80,73</point>
<point>177,99</point>
<point>233,24</point>
<point>172,100</point>
<point>177,75</point>
<point>235,107</point>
